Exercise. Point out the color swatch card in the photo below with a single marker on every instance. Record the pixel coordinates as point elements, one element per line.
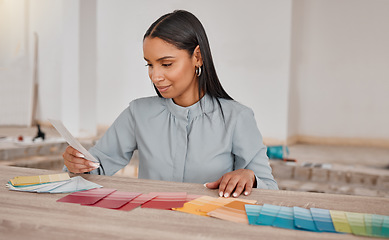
<point>340,221</point>
<point>252,212</point>
<point>136,202</point>
<point>303,219</point>
<point>87,197</point>
<point>376,221</point>
<point>193,206</point>
<point>268,214</point>
<point>385,227</point>
<point>284,218</point>
<point>166,200</point>
<point>323,220</point>
<point>71,140</point>
<point>221,201</point>
<point>357,223</point>
<point>116,199</point>
<point>32,180</point>
<point>234,211</point>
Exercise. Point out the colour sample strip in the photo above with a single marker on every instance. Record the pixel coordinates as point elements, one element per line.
<point>376,221</point>
<point>340,222</point>
<point>322,218</point>
<point>193,206</point>
<point>31,180</point>
<point>233,211</point>
<point>136,202</point>
<point>252,212</point>
<point>87,197</point>
<point>357,223</point>
<point>166,200</point>
<point>116,199</point>
<point>303,219</point>
<point>284,218</point>
<point>268,214</point>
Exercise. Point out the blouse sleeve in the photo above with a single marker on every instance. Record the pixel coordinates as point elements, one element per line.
<point>114,150</point>
<point>249,150</point>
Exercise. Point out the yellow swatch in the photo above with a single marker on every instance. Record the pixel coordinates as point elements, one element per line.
<point>193,206</point>
<point>31,180</point>
<point>340,221</point>
<point>219,202</point>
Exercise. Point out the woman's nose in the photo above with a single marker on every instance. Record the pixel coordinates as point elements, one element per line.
<point>156,75</point>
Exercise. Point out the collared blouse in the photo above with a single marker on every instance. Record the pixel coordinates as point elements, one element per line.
<point>198,144</point>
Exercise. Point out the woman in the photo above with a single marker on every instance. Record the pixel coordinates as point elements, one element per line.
<point>193,131</point>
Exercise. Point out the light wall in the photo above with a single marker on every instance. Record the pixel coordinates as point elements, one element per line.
<point>307,68</point>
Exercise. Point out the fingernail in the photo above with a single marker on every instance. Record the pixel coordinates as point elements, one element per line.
<point>205,185</point>
<point>246,193</point>
<point>80,155</point>
<point>234,194</point>
<point>226,195</point>
<point>95,165</point>
<point>220,194</point>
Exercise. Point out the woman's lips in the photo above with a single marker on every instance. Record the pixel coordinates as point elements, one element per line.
<point>163,88</point>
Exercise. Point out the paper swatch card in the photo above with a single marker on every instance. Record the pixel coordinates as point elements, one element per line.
<point>71,140</point>
<point>166,200</point>
<point>234,211</point>
<point>376,221</point>
<point>31,180</point>
<point>322,218</point>
<point>284,218</point>
<point>74,185</point>
<point>368,224</point>
<point>340,221</point>
<point>252,212</point>
<point>193,206</point>
<point>116,199</point>
<point>303,219</point>
<point>385,227</point>
<point>87,197</point>
<point>221,201</point>
<point>268,214</point>
<point>357,223</point>
<point>136,202</point>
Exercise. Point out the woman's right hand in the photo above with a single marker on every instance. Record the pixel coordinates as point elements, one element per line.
<point>76,162</point>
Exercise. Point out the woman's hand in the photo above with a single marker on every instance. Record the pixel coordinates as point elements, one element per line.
<point>233,183</point>
<point>76,162</point>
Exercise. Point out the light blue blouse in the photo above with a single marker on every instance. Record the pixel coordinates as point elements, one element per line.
<point>185,144</point>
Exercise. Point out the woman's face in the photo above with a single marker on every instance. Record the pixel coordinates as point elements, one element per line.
<point>172,70</point>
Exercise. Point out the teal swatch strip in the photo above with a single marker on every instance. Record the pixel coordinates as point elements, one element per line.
<point>268,214</point>
<point>252,212</point>
<point>303,219</point>
<point>285,219</point>
<point>323,220</point>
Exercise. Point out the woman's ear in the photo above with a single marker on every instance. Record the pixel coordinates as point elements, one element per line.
<point>197,58</point>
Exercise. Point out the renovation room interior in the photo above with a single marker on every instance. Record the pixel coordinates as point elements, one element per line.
<point>315,73</point>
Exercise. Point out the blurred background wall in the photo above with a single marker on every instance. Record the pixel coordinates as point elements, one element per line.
<point>312,70</point>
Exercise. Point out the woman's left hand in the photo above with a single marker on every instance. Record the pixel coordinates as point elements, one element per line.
<point>234,183</point>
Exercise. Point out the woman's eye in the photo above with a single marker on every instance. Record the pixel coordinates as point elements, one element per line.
<point>166,64</point>
<point>148,65</point>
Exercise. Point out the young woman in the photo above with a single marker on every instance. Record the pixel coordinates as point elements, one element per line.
<point>193,131</point>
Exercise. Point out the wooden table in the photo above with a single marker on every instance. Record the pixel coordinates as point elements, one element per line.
<point>39,216</point>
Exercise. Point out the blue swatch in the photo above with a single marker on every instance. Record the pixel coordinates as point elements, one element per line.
<point>376,221</point>
<point>303,219</point>
<point>385,227</point>
<point>252,212</point>
<point>323,220</point>
<point>268,214</point>
<point>284,218</point>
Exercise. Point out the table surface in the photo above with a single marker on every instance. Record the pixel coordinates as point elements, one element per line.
<point>38,216</point>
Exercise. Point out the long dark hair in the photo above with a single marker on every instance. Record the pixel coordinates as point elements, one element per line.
<point>183,30</point>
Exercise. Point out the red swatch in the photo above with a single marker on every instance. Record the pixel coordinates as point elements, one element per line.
<point>136,202</point>
<point>166,200</point>
<point>87,197</point>
<point>116,200</point>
